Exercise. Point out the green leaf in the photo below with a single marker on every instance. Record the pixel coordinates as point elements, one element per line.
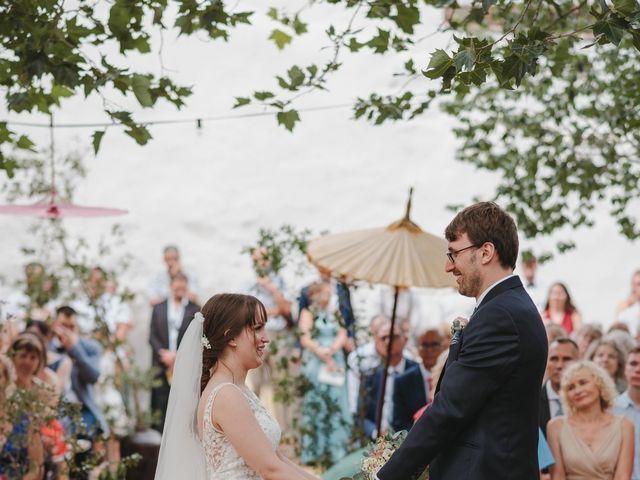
<point>626,7</point>
<point>97,139</point>
<point>288,119</point>
<point>141,85</point>
<point>438,64</point>
<point>273,13</point>
<point>296,75</point>
<point>25,143</point>
<point>380,43</point>
<point>636,39</point>
<point>241,102</point>
<point>514,67</point>
<point>464,59</point>
<point>260,96</point>
<point>299,26</point>
<point>60,91</point>
<point>407,18</point>
<point>610,29</point>
<point>280,38</point>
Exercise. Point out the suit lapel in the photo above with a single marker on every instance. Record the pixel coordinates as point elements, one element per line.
<point>164,322</point>
<point>186,320</point>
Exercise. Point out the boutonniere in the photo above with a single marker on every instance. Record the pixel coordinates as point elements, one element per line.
<point>456,329</point>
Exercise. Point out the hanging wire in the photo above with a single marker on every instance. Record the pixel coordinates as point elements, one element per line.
<point>198,120</point>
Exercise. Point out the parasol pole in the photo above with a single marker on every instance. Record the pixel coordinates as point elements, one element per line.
<point>385,373</point>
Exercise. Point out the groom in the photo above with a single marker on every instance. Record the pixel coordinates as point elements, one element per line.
<point>483,422</point>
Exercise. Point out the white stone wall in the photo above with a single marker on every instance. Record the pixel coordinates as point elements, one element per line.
<point>209,191</point>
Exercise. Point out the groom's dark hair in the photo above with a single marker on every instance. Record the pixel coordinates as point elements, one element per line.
<point>487,222</point>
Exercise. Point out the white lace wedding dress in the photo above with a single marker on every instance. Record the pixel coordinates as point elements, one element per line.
<point>223,462</point>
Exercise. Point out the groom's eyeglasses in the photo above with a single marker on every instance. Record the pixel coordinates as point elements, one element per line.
<point>454,254</point>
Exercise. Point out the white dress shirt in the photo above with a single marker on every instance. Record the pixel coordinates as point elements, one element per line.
<point>175,315</point>
<point>489,288</point>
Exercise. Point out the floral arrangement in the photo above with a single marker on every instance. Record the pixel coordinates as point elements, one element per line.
<point>379,453</point>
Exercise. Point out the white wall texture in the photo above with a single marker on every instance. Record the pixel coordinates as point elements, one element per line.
<point>209,191</point>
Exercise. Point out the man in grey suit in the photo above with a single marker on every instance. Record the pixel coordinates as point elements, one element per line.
<point>169,322</point>
<point>483,421</point>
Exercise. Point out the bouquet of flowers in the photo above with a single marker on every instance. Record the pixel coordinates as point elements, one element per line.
<point>379,453</point>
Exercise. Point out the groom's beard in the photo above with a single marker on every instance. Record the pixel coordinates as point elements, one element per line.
<point>469,285</point>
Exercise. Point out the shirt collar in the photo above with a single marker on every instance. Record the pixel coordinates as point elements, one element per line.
<point>489,288</point>
<point>425,373</point>
<point>624,400</point>
<point>551,393</point>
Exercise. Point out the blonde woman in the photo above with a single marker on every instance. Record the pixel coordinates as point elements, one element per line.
<point>590,442</point>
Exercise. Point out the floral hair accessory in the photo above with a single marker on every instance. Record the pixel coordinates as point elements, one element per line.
<point>205,342</point>
<point>199,317</point>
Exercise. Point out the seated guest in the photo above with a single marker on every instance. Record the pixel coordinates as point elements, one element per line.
<point>554,331</point>
<point>590,442</point>
<point>560,310</point>
<point>585,336</point>
<point>23,453</point>
<point>628,403</point>
<point>562,352</point>
<point>412,388</point>
<point>372,382</point>
<point>606,354</point>
<point>362,360</point>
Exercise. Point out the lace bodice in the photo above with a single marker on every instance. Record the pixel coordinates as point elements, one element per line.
<point>223,462</point>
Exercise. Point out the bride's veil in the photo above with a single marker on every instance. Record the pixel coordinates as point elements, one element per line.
<point>181,453</point>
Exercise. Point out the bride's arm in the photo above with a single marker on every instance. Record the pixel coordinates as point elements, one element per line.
<point>234,417</point>
<point>303,473</point>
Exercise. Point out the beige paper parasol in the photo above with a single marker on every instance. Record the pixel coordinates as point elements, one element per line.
<point>400,255</point>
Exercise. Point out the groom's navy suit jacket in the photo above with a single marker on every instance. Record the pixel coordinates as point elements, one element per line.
<point>483,422</point>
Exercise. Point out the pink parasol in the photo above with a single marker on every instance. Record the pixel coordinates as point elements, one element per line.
<point>54,207</point>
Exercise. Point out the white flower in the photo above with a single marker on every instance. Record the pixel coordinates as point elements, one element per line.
<point>199,317</point>
<point>205,342</point>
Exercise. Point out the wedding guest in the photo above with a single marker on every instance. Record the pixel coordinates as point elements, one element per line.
<point>629,310</point>
<point>606,354</point>
<point>269,287</point>
<point>554,331</point>
<point>37,300</point>
<point>562,352</point>
<point>45,383</point>
<point>325,408</point>
<point>585,336</point>
<point>622,338</point>
<point>84,354</point>
<point>372,381</point>
<point>412,388</point>
<point>361,360</point>
<point>340,299</point>
<point>169,322</point>
<point>589,441</point>
<point>628,403</point>
<point>160,287</point>
<point>560,310</point>
<point>21,447</point>
<point>534,287</point>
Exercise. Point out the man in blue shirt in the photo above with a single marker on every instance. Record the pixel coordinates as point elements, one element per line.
<point>628,403</point>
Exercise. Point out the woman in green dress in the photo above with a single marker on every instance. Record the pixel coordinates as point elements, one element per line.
<point>326,421</point>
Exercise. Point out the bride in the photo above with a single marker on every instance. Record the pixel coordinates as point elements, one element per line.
<point>216,428</point>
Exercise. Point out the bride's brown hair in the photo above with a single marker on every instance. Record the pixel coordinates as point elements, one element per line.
<point>225,316</point>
